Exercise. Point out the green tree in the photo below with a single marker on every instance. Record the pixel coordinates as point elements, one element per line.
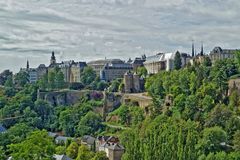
<point>84,153</point>
<point>102,85</point>
<point>72,150</point>
<point>43,82</point>
<point>212,140</point>
<point>221,156</point>
<point>51,79</point>
<point>237,55</point>
<point>38,145</point>
<point>59,80</point>
<point>100,156</point>
<point>4,76</point>
<point>88,76</point>
<point>177,61</point>
<point>236,140</point>
<point>67,122</point>
<point>60,150</point>
<point>9,81</point>
<point>89,124</point>
<point>21,79</point>
<point>45,112</point>
<point>207,61</point>
<point>115,85</point>
<point>142,71</point>
<point>210,156</point>
<point>2,154</point>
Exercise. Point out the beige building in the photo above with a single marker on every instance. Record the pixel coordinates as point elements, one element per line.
<point>72,70</point>
<point>113,151</point>
<point>110,145</point>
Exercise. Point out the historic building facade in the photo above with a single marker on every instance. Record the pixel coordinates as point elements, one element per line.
<point>218,53</point>
<point>113,71</point>
<point>163,62</point>
<point>98,65</point>
<point>71,70</point>
<point>133,83</point>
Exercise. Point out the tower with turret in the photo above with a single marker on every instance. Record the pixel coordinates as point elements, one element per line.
<point>128,82</point>
<point>53,58</point>
<point>136,82</point>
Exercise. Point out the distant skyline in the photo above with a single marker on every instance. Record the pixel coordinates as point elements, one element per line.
<point>84,30</point>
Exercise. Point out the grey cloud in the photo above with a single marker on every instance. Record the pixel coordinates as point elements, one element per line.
<point>93,29</point>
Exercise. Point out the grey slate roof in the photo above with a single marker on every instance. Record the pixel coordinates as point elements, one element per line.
<point>88,139</point>
<point>53,135</point>
<point>61,157</point>
<point>112,146</point>
<point>59,139</point>
<point>2,129</point>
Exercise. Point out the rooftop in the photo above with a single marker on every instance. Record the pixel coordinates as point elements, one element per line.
<point>2,129</point>
<point>88,139</point>
<point>105,61</point>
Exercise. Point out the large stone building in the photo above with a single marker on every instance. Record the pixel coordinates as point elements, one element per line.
<point>163,62</point>
<point>76,71</point>
<point>112,71</point>
<point>71,70</point>
<point>98,65</point>
<point>138,62</point>
<point>218,53</point>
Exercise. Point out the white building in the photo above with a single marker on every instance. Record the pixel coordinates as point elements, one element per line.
<point>163,62</point>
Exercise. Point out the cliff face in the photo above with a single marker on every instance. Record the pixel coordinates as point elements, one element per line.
<point>111,101</point>
<point>68,97</point>
<point>234,84</point>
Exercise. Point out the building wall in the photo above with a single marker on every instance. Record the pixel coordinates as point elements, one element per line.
<point>163,64</point>
<point>133,83</point>
<point>155,67</point>
<point>218,53</point>
<point>115,154</point>
<point>33,76</point>
<point>136,83</point>
<point>109,74</point>
<point>41,72</point>
<point>75,74</point>
<point>128,83</point>
<point>97,68</point>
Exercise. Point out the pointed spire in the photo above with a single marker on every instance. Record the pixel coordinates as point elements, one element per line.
<point>27,64</point>
<point>202,53</point>
<point>193,50</point>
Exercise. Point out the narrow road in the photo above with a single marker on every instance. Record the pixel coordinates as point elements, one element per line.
<point>116,126</point>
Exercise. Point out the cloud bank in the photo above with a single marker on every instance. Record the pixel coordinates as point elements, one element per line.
<point>91,29</point>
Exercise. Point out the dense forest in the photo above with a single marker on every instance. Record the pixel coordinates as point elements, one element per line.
<point>201,122</point>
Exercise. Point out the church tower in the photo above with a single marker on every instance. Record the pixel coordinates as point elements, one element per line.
<point>53,58</point>
<point>193,50</point>
<point>27,65</point>
<point>201,53</point>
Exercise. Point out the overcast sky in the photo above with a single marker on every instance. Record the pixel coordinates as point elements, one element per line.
<point>83,30</point>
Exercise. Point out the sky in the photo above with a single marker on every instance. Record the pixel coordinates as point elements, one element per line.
<point>84,30</point>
